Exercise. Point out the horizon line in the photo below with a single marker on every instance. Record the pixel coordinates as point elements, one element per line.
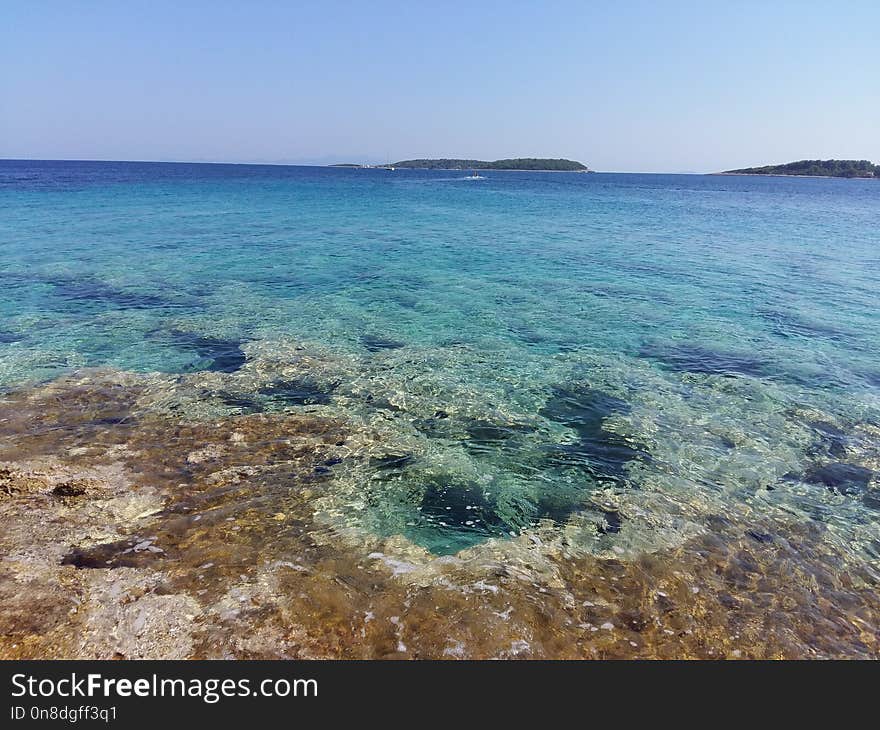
<point>307,164</point>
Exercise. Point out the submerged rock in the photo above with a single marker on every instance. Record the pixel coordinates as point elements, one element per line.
<point>601,452</point>
<point>840,477</point>
<point>832,439</point>
<point>222,355</point>
<point>300,392</point>
<point>695,358</point>
<point>284,534</point>
<point>375,343</point>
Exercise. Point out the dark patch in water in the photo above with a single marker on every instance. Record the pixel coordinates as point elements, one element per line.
<point>840,477</point>
<point>381,403</point>
<point>529,336</point>
<point>130,553</point>
<point>15,280</point>
<point>612,523</point>
<point>603,454</point>
<point>300,392</point>
<point>872,378</point>
<point>392,461</point>
<point>762,537</point>
<point>225,355</point>
<point>284,284</point>
<point>479,436</point>
<point>241,403</point>
<point>405,300</point>
<point>871,499</point>
<point>718,522</point>
<point>557,504</point>
<point>832,440</point>
<point>7,338</point>
<point>434,427</point>
<point>486,437</point>
<point>93,291</point>
<point>698,359</point>
<point>374,343</point>
<point>114,420</point>
<point>483,432</point>
<point>448,514</point>
<point>789,324</point>
<point>455,516</point>
<point>280,395</point>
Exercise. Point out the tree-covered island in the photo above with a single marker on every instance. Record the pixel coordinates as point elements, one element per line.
<point>519,163</point>
<point>815,168</point>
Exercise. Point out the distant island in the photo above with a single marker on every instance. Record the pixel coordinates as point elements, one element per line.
<point>815,168</point>
<point>519,163</point>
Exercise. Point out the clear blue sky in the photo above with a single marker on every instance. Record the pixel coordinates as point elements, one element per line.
<point>630,86</point>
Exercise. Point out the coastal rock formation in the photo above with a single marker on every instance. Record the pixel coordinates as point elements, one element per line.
<point>200,516</point>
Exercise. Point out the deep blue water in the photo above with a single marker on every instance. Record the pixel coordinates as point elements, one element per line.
<point>677,341</point>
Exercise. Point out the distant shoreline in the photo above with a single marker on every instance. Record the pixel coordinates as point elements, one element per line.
<point>460,169</point>
<point>813,168</point>
<point>782,174</point>
<point>531,164</point>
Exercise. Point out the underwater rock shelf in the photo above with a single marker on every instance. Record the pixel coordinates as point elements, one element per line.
<point>298,507</point>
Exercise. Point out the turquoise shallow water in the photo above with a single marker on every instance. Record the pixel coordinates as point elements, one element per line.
<point>650,351</point>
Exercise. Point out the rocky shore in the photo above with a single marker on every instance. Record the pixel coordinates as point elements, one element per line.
<point>139,521</point>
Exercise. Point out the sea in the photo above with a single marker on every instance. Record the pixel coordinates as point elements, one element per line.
<point>548,414</point>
